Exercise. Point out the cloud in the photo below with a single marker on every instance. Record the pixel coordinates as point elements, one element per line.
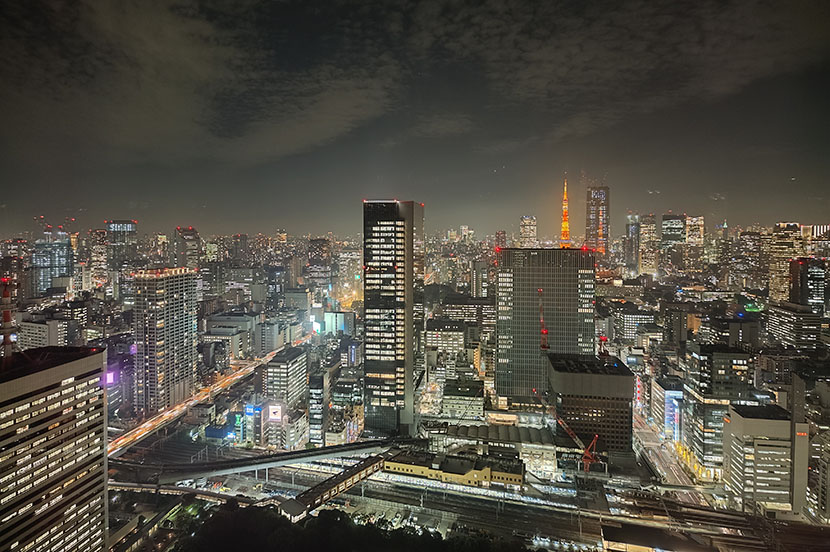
<point>171,83</point>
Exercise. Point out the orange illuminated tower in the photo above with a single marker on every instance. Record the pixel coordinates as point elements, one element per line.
<point>565,232</point>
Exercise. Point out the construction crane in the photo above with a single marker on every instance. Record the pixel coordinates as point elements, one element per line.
<point>589,453</point>
<point>543,330</point>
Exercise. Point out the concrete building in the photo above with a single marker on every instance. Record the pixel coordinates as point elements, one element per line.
<point>165,328</point>
<point>188,247</point>
<point>445,336</point>
<point>527,233</point>
<point>792,325</point>
<point>765,460</point>
<point>393,276</point>
<point>561,282</point>
<point>463,400</point>
<point>285,377</point>
<point>649,253</point>
<point>594,396</point>
<point>122,242</point>
<point>53,442</point>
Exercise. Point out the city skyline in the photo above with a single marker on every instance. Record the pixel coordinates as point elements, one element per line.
<point>719,123</point>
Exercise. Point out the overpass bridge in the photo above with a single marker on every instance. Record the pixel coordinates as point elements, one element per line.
<point>170,473</point>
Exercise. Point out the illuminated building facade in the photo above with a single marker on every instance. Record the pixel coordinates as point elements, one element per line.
<point>808,283</point>
<point>53,462</point>
<point>527,232</point>
<point>188,247</point>
<point>122,242</point>
<point>785,244</point>
<point>597,218</point>
<point>717,375</point>
<point>285,377</point>
<point>566,278</point>
<point>673,230</point>
<point>393,275</point>
<point>165,328</point>
<point>649,246</point>
<point>51,259</point>
<point>765,459</point>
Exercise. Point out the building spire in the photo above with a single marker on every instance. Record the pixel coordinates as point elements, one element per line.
<point>565,232</point>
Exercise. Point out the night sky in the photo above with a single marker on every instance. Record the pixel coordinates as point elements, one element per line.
<point>286,114</point>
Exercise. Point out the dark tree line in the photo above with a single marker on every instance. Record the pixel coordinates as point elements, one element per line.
<point>233,529</point>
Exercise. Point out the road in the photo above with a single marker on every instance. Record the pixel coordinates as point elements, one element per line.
<point>241,370</point>
<point>662,456</point>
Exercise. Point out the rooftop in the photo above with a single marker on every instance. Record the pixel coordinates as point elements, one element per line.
<point>766,412</point>
<point>502,433</point>
<point>42,358</point>
<point>599,365</point>
<point>434,325</point>
<point>287,355</point>
<point>472,388</point>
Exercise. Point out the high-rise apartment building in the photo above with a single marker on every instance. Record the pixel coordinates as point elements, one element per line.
<point>554,284</point>
<point>188,247</point>
<point>649,246</point>
<point>51,259</point>
<point>597,219</point>
<point>527,232</point>
<point>122,242</point>
<point>53,441</point>
<point>393,275</point>
<point>785,244</point>
<point>165,328</point>
<point>808,283</point>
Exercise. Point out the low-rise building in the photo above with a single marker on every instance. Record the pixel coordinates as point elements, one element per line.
<point>478,471</point>
<point>463,400</point>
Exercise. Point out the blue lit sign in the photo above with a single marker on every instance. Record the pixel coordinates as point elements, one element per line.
<point>249,410</point>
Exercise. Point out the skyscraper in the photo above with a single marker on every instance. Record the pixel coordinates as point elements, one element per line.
<point>165,328</point>
<point>527,232</point>
<point>786,243</point>
<point>808,277</point>
<point>122,241</point>
<point>554,285</point>
<point>565,229</point>
<point>501,239</point>
<point>188,247</point>
<point>98,256</point>
<point>393,259</point>
<point>53,471</point>
<point>319,262</point>
<point>649,245</point>
<point>597,219</point>
<point>631,244</point>
<point>51,259</point>
<point>673,230</point>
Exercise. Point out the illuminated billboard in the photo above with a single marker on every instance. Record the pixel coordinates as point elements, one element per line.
<point>275,413</point>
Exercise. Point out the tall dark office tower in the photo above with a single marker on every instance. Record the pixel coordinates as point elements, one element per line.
<point>545,303</point>
<point>240,250</point>
<point>53,469</point>
<point>318,271</point>
<point>50,259</point>
<point>165,328</point>
<point>786,243</point>
<point>122,242</point>
<point>188,247</point>
<point>808,277</point>
<point>393,276</point>
<point>597,219</point>
<point>631,243</point>
<point>673,230</point>
<point>479,281</point>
